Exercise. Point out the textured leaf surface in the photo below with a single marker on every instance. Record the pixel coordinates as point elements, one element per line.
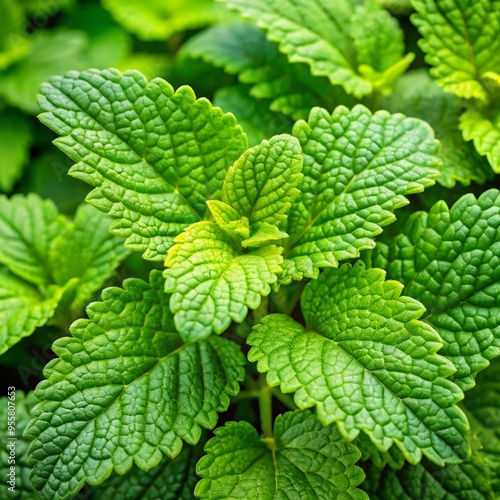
<point>169,480</point>
<point>22,309</point>
<point>483,128</point>
<point>242,49</point>
<point>212,282</point>
<point>153,155</point>
<point>357,169</point>
<point>28,226</point>
<point>427,481</point>
<point>263,183</point>
<point>483,410</point>
<point>15,137</point>
<point>327,36</point>
<point>158,20</point>
<point>304,460</point>
<point>416,94</point>
<point>86,250</point>
<point>449,260</point>
<point>365,361</point>
<point>23,405</point>
<point>254,115</point>
<point>125,389</point>
<point>462,42</point>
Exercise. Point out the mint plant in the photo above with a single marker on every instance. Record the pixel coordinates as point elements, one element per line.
<point>285,344</point>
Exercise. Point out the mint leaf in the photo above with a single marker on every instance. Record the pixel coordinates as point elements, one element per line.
<point>23,405</point>
<point>328,39</point>
<point>254,115</point>
<point>125,389</point>
<point>483,127</point>
<point>229,219</point>
<point>263,183</point>
<point>23,308</point>
<point>169,480</point>
<point>242,49</point>
<point>15,138</point>
<point>212,282</point>
<point>28,226</point>
<point>86,250</point>
<point>427,481</point>
<point>483,411</point>
<point>357,168</point>
<point>157,20</point>
<point>178,148</point>
<point>363,359</point>
<point>462,52</point>
<point>418,95</point>
<point>302,460</point>
<point>448,259</point>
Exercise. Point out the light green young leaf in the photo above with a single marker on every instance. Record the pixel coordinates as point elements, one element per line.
<point>357,168</point>
<point>212,282</point>
<point>158,20</point>
<point>417,94</point>
<point>326,36</point>
<point>169,480</point>
<point>15,137</point>
<point>242,49</point>
<point>229,219</point>
<point>426,481</point>
<point>23,308</point>
<point>264,234</point>
<point>125,389</point>
<point>462,43</point>
<point>449,260</point>
<point>50,53</point>
<point>366,362</point>
<point>28,227</point>
<point>86,250</point>
<point>254,115</point>
<point>263,183</point>
<point>153,155</point>
<point>483,127</point>
<point>304,459</point>
<point>483,411</point>
<point>23,405</point>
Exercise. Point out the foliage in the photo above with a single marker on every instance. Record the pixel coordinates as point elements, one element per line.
<point>257,300</point>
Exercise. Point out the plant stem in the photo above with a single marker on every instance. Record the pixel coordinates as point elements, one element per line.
<point>266,408</point>
<point>366,257</point>
<point>285,302</point>
<point>261,311</point>
<point>286,399</point>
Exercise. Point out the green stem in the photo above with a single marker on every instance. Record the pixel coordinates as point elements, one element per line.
<point>266,408</point>
<point>286,399</point>
<point>366,257</point>
<point>261,311</point>
<point>285,301</point>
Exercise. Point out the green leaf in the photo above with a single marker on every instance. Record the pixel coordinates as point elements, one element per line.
<point>50,53</point>
<point>46,7</point>
<point>158,20</point>
<point>302,460</point>
<point>212,282</point>
<point>28,227</point>
<point>15,138</point>
<point>449,261</point>
<point>153,155</point>
<point>169,480</point>
<point>357,168</point>
<point>23,308</point>
<point>23,405</point>
<point>427,481</point>
<point>263,235</point>
<point>483,127</point>
<point>86,250</point>
<point>462,43</point>
<point>263,183</point>
<point>365,361</point>
<point>229,219</point>
<point>328,38</point>
<point>12,44</point>
<point>254,115</point>
<point>418,95</point>
<point>483,411</point>
<point>125,389</point>
<point>242,49</point>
